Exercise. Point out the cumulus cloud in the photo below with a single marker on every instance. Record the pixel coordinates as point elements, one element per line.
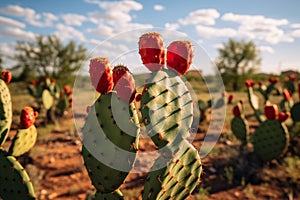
<point>172,26</point>
<point>29,15</point>
<point>158,7</point>
<point>74,19</point>
<point>296,33</point>
<point>16,33</point>
<point>201,16</point>
<point>210,32</point>
<point>69,33</point>
<point>4,21</point>
<point>295,26</point>
<point>260,27</point>
<point>267,49</point>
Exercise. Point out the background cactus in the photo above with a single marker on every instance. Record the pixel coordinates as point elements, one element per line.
<point>239,124</point>
<point>271,138</point>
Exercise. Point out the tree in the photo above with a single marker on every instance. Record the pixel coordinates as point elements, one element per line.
<point>237,60</point>
<point>47,56</point>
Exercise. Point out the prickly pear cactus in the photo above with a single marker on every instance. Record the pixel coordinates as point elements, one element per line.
<point>5,111</point>
<point>23,141</point>
<point>239,124</point>
<point>47,99</point>
<point>177,179</point>
<point>240,128</point>
<point>14,181</point>
<point>103,134</point>
<point>270,139</point>
<point>166,107</point>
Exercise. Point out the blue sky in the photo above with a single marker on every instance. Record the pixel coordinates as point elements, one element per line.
<point>273,25</point>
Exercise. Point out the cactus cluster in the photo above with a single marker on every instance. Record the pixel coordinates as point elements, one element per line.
<point>165,108</point>
<point>50,96</point>
<point>271,138</point>
<point>14,180</point>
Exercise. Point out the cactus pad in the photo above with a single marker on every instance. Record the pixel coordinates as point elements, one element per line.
<point>270,139</point>
<point>166,107</point>
<point>5,111</point>
<point>47,99</point>
<point>178,179</point>
<point>14,181</point>
<point>240,128</point>
<point>295,112</point>
<point>116,195</point>
<point>23,141</point>
<point>105,139</point>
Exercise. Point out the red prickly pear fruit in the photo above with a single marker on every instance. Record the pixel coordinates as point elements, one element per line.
<point>237,111</point>
<point>179,56</point>
<point>271,111</point>
<point>260,83</point>
<point>283,116</point>
<point>70,103</point>
<point>292,77</point>
<point>273,80</point>
<point>230,99</point>
<point>33,82</point>
<point>53,81</point>
<point>124,83</point>
<point>101,75</point>
<point>152,51</point>
<point>249,83</point>
<point>6,75</point>
<point>68,90</point>
<point>286,94</point>
<point>27,117</point>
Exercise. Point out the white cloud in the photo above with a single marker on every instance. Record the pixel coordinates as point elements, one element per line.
<point>29,15</point>
<point>295,25</point>
<point>158,7</point>
<point>74,19</point>
<point>11,22</point>
<point>253,19</point>
<point>172,26</point>
<point>258,27</point>
<point>210,32</point>
<point>201,16</point>
<point>69,33</point>
<point>296,33</point>
<point>267,49</point>
<point>16,33</point>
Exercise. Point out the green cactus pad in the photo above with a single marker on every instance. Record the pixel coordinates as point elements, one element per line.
<point>178,179</point>
<point>105,178</point>
<point>23,141</point>
<point>14,181</point>
<point>5,111</point>
<point>110,141</point>
<point>54,90</point>
<point>240,128</point>
<point>295,112</point>
<point>47,99</point>
<point>270,139</point>
<point>290,85</point>
<point>166,107</point>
